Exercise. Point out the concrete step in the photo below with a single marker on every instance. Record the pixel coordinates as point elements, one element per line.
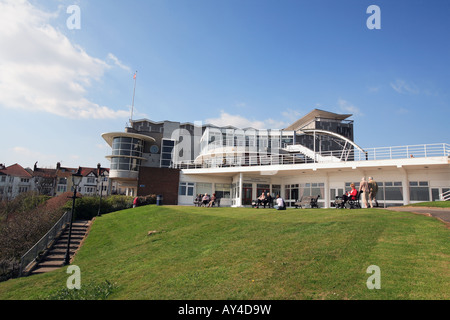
<point>56,256</point>
<point>51,263</point>
<point>75,231</point>
<point>64,246</point>
<point>44,270</point>
<point>72,240</point>
<point>59,251</point>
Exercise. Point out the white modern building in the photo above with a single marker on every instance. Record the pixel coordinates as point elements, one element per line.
<point>316,155</point>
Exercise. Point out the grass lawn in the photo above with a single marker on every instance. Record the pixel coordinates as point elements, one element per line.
<point>435,204</point>
<point>244,253</point>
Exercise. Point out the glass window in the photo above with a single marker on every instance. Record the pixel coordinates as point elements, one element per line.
<point>392,191</point>
<point>182,189</point>
<point>186,189</point>
<point>419,191</point>
<point>276,190</point>
<point>223,190</point>
<point>435,194</point>
<point>203,188</point>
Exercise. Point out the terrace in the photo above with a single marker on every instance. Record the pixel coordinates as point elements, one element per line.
<point>228,157</point>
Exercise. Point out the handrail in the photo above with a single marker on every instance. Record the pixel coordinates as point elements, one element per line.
<point>445,196</point>
<point>31,255</point>
<point>237,159</point>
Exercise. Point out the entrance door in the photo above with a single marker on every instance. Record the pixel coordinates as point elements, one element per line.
<point>247,194</point>
<point>260,188</point>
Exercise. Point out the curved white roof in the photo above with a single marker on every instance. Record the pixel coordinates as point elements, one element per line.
<point>108,137</point>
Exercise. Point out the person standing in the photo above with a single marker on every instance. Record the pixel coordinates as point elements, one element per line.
<point>373,189</point>
<point>364,189</point>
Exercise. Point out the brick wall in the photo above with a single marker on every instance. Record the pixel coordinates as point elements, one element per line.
<point>159,181</point>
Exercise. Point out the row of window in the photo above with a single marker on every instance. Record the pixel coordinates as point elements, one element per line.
<point>125,146</point>
<point>10,189</point>
<point>128,164</point>
<point>166,153</point>
<point>11,179</point>
<point>390,191</point>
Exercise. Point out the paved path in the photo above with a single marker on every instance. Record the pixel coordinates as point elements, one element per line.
<point>440,213</point>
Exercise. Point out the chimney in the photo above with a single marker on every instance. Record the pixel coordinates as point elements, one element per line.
<point>35,166</point>
<point>58,165</point>
<point>2,166</point>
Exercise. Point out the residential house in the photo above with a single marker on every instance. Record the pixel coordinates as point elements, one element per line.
<point>14,180</point>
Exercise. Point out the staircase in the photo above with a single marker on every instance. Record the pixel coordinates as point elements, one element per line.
<point>298,148</point>
<point>55,257</point>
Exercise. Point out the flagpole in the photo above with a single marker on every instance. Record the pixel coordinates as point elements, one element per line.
<point>132,104</point>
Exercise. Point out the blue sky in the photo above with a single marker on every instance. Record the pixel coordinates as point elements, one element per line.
<point>261,63</point>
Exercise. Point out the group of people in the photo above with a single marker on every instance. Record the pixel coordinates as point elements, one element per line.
<point>368,191</point>
<point>206,200</point>
<point>266,199</point>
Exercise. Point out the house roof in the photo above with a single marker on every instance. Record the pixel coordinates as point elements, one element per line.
<point>44,172</point>
<point>316,113</point>
<point>16,170</point>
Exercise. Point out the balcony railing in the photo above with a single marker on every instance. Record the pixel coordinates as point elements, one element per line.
<point>382,153</point>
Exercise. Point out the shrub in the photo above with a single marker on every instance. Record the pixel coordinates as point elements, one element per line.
<point>86,207</point>
<point>146,200</point>
<point>24,221</point>
<point>86,292</point>
<point>117,202</point>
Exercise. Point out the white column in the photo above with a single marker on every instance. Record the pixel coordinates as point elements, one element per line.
<point>239,199</point>
<point>405,185</point>
<point>326,191</point>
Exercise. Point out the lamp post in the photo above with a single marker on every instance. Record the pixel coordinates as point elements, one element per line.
<point>102,177</point>
<point>76,180</point>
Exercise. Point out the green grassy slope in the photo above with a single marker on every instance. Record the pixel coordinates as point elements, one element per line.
<point>242,253</point>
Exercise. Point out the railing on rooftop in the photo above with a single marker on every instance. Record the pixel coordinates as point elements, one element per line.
<point>382,153</point>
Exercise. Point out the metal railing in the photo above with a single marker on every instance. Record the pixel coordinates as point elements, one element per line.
<point>403,152</point>
<point>44,242</point>
<point>445,196</point>
<point>382,153</point>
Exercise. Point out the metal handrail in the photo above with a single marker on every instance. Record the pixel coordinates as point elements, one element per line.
<point>31,255</point>
<point>445,196</point>
<point>381,153</point>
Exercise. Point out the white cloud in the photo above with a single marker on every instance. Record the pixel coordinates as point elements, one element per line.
<point>404,88</point>
<point>118,63</point>
<point>41,70</point>
<point>291,115</point>
<point>241,122</point>
<point>346,106</point>
<point>44,159</point>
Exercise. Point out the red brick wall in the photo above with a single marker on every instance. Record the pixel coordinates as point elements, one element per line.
<point>159,181</point>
